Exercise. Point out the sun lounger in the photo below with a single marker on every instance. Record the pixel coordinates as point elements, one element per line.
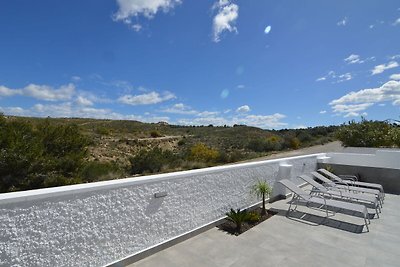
<point>341,194</point>
<point>356,189</point>
<point>301,196</point>
<point>352,182</point>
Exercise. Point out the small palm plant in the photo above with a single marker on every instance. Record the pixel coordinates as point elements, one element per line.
<point>262,189</point>
<point>238,217</point>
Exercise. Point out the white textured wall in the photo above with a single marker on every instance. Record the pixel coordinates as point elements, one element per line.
<point>96,224</point>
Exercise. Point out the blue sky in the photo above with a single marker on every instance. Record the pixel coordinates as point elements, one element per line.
<point>270,64</point>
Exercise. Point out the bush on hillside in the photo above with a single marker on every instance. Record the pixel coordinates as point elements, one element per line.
<point>369,134</point>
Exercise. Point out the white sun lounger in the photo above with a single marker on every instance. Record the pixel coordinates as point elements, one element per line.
<point>301,196</point>
<point>341,194</point>
<point>352,182</point>
<point>356,189</point>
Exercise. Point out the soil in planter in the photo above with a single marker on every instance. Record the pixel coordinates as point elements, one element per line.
<point>230,227</point>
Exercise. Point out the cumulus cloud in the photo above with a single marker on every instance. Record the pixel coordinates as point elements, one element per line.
<point>69,110</point>
<point>48,93</point>
<point>342,22</point>
<point>5,91</point>
<point>397,22</point>
<point>41,92</point>
<point>180,108</point>
<point>395,76</point>
<point>243,109</point>
<point>146,99</point>
<point>381,68</point>
<point>148,8</point>
<point>262,121</point>
<point>225,18</point>
<point>322,112</point>
<point>354,102</point>
<point>83,101</point>
<point>351,110</point>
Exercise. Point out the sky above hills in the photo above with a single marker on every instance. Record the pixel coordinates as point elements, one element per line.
<point>269,64</point>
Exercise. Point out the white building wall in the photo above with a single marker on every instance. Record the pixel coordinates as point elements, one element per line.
<point>380,159</point>
<point>99,223</point>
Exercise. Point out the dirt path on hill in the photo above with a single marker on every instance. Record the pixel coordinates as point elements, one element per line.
<point>329,147</point>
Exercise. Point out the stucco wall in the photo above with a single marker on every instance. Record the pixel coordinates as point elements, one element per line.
<point>379,159</point>
<point>99,223</point>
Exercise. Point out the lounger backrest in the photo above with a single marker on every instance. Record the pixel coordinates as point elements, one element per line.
<point>294,188</point>
<point>311,181</point>
<point>322,178</point>
<point>331,175</point>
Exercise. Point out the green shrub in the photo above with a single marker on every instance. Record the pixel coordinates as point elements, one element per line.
<point>101,130</point>
<point>32,156</point>
<point>98,171</point>
<point>238,217</point>
<point>152,161</point>
<point>201,152</point>
<point>367,134</point>
<point>253,217</point>
<point>155,134</point>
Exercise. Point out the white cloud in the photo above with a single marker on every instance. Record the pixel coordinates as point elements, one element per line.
<point>76,78</point>
<point>342,22</point>
<point>351,110</point>
<point>352,59</point>
<point>137,27</point>
<point>344,77</point>
<point>180,108</point>
<point>69,110</point>
<point>267,29</point>
<point>337,78</point>
<point>381,68</point>
<point>5,91</point>
<point>262,121</point>
<point>41,92</point>
<point>48,93</point>
<point>322,112</point>
<point>225,18</point>
<point>146,99</point>
<point>240,86</point>
<point>148,8</point>
<point>395,76</point>
<point>397,22</point>
<point>83,101</point>
<point>354,102</point>
<point>243,109</point>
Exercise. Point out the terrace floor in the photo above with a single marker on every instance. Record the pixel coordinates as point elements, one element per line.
<point>283,241</point>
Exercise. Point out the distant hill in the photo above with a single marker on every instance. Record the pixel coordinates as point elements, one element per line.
<point>119,148</point>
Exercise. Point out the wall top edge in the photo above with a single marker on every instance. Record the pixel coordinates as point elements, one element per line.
<point>28,195</point>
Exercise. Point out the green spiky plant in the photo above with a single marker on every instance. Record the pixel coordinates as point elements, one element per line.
<point>238,217</point>
<point>263,190</point>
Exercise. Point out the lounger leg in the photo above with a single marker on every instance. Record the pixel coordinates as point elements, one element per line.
<point>365,221</point>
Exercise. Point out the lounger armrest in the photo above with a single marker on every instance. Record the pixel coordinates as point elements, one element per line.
<point>318,192</point>
<point>349,177</point>
<point>336,190</point>
<point>318,196</point>
<point>349,182</point>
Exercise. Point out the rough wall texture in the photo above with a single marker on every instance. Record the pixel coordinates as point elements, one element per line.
<point>98,227</point>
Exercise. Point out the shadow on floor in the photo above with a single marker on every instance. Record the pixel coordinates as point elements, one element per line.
<point>316,220</point>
